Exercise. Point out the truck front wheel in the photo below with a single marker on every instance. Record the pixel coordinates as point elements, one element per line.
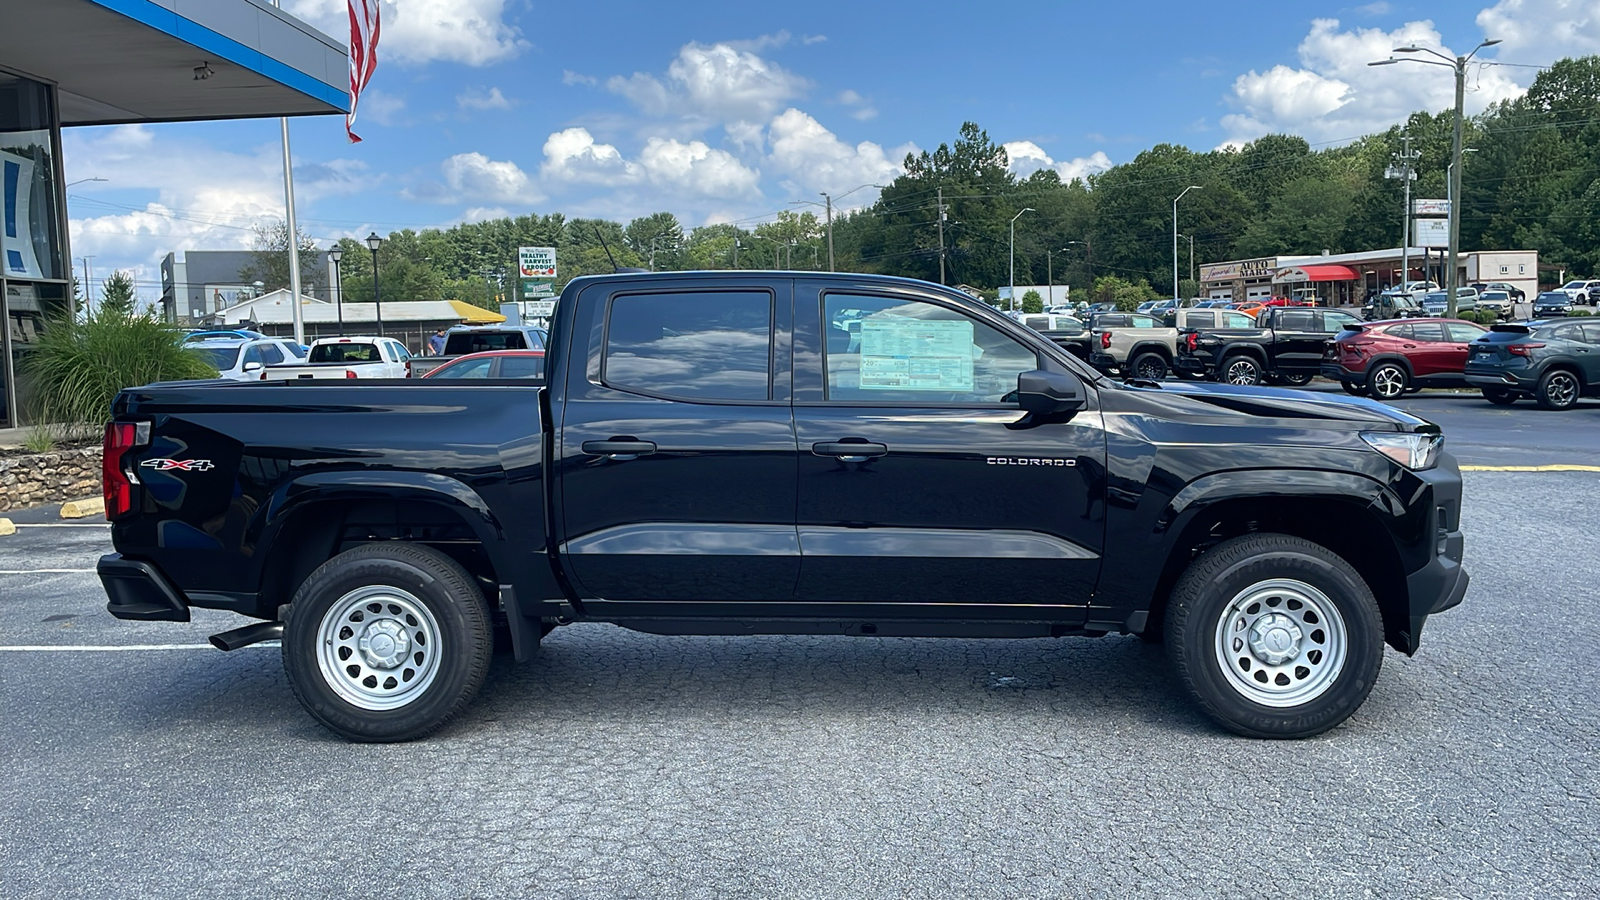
<point>1240,369</point>
<point>1274,636</point>
<point>387,642</point>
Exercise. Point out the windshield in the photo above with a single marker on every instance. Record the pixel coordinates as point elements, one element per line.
<point>222,358</point>
<point>1552,298</point>
<point>1573,285</point>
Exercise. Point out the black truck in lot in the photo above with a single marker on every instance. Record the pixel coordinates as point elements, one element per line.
<point>1286,347</point>
<point>784,453</point>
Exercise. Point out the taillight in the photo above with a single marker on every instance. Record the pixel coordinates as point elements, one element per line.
<point>1105,340</point>
<point>1522,349</point>
<point>115,482</point>
<point>349,373</point>
<point>1191,340</point>
<point>408,368</point>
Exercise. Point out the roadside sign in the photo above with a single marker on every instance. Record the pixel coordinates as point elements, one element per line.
<point>532,289</point>
<point>536,262</point>
<point>1432,232</point>
<point>539,309</point>
<point>1430,207</point>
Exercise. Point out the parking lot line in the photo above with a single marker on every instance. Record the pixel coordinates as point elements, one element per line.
<point>110,648</point>
<point>1559,467</point>
<point>41,571</point>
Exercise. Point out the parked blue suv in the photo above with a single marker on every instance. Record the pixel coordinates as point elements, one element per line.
<point>1555,363</point>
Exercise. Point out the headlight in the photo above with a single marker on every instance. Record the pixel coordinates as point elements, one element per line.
<point>1412,450</point>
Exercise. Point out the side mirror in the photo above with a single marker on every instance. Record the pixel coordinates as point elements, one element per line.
<point>252,367</point>
<point>1046,393</point>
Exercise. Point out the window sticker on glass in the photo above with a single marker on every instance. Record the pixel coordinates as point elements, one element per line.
<point>916,355</point>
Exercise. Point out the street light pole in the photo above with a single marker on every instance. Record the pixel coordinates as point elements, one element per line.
<point>336,254</point>
<point>1175,291</point>
<point>1011,301</point>
<point>829,203</point>
<point>374,242</point>
<point>1458,65</point>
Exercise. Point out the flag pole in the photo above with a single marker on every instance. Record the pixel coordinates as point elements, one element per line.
<point>294,231</point>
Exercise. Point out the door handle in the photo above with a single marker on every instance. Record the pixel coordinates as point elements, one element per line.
<point>850,451</point>
<point>619,449</point>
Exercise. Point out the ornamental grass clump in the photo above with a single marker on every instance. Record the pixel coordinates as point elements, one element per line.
<point>81,362</point>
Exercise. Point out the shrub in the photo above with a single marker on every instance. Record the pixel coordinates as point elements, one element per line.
<point>80,363</point>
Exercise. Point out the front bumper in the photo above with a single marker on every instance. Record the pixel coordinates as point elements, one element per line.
<point>1441,582</point>
<point>138,591</point>
<point>1338,372</point>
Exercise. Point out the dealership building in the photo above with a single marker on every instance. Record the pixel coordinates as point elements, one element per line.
<point>100,62</point>
<point>1345,279</point>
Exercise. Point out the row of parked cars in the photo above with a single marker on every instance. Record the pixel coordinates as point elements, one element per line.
<point>1554,362</point>
<point>470,352</point>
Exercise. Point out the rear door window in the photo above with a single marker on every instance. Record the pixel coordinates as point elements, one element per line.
<point>271,354</point>
<point>1297,320</point>
<point>521,367</point>
<point>1427,331</point>
<point>690,346</point>
<point>1462,333</point>
<point>1200,319</point>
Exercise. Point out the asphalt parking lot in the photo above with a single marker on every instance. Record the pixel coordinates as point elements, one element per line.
<point>139,762</point>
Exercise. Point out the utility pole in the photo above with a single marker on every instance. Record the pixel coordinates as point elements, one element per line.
<point>941,235</point>
<point>1405,168</point>
<point>1049,279</point>
<point>829,201</point>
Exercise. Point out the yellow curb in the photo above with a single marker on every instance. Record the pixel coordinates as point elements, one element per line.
<point>7,527</point>
<point>1562,467</point>
<point>81,509</point>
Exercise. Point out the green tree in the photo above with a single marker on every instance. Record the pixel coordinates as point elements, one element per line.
<point>657,239</point>
<point>269,262</point>
<point>1032,302</point>
<point>116,298</point>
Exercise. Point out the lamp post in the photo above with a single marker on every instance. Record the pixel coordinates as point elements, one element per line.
<point>1011,302</point>
<point>1459,66</point>
<point>1175,291</point>
<point>1190,239</point>
<point>374,242</point>
<point>336,254</point>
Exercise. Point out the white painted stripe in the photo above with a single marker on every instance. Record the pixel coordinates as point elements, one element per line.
<point>43,648</point>
<point>41,571</point>
<point>62,524</point>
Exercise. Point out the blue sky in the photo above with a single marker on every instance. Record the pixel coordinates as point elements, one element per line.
<point>730,112</point>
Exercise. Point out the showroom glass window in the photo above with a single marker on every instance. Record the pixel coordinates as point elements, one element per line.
<point>30,230</point>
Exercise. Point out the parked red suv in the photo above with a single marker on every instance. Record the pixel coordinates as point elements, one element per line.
<point>1386,359</point>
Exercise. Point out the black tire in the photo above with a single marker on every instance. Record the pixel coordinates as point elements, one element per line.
<point>1308,609</point>
<point>1189,376</point>
<point>1499,396</point>
<point>1388,381</point>
<point>1241,369</point>
<point>1355,388</point>
<point>1149,366</point>
<point>387,642</point>
<point>1558,389</point>
<point>1298,380</point>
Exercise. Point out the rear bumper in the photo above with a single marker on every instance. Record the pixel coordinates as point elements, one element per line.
<point>1340,373</point>
<point>1102,361</point>
<point>1189,364</point>
<point>1510,379</point>
<point>138,591</point>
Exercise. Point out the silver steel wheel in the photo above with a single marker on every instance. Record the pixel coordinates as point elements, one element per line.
<point>378,647</point>
<point>1243,371</point>
<point>1281,643</point>
<point>1388,382</point>
<point>1561,389</point>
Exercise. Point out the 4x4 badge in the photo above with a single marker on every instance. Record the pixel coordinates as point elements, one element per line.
<point>181,465</point>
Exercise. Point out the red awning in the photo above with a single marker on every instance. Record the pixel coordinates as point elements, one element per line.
<point>1315,273</point>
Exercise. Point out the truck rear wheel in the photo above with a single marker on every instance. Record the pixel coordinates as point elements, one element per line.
<point>1149,366</point>
<point>1240,369</point>
<point>387,642</point>
<point>1274,636</point>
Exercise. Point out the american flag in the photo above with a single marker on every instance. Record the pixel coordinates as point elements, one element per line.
<point>364,29</point>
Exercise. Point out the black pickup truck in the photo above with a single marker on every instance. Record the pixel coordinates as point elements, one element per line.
<point>1286,347</point>
<point>783,453</point>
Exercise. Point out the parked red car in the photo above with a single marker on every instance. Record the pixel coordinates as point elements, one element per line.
<point>493,364</point>
<point>1387,359</point>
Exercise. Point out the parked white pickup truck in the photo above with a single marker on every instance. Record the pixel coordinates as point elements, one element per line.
<point>347,357</point>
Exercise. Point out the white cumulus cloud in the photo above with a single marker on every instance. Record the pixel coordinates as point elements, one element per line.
<point>475,176</point>
<point>573,155</point>
<point>1026,158</point>
<point>471,32</point>
<point>696,168</point>
<point>814,159</point>
<point>1334,95</point>
<point>479,99</point>
<point>1541,31</point>
<point>717,81</point>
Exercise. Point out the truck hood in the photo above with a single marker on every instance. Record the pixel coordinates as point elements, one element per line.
<point>1284,403</point>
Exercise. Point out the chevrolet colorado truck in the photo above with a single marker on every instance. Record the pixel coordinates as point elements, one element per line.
<point>1286,347</point>
<point>784,453</point>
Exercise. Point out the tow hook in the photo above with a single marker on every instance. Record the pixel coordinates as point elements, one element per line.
<point>249,634</point>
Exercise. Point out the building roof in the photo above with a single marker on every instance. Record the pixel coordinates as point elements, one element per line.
<point>119,61</point>
<point>273,309</point>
